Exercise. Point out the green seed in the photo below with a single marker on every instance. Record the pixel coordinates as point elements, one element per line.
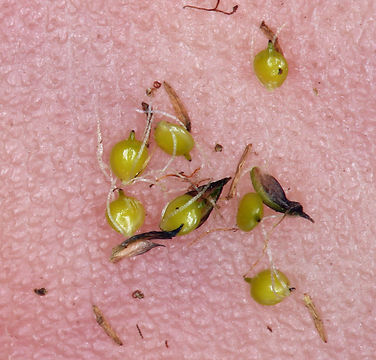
<point>128,213</point>
<point>250,211</point>
<point>177,213</point>
<point>164,135</point>
<point>262,287</point>
<point>270,67</point>
<point>126,160</point>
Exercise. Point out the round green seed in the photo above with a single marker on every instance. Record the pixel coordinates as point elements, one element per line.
<point>164,135</point>
<point>128,213</point>
<point>126,161</point>
<point>250,211</point>
<point>270,67</point>
<point>262,287</point>
<point>189,216</point>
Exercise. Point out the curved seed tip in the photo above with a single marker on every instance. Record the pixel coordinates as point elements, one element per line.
<point>188,157</point>
<point>306,216</point>
<point>248,280</point>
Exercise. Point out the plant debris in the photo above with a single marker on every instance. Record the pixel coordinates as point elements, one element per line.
<point>41,291</point>
<point>271,36</point>
<point>151,91</point>
<point>211,194</point>
<point>273,195</point>
<point>179,108</point>
<point>103,323</point>
<point>149,119</point>
<point>140,244</point>
<point>139,331</point>
<point>218,148</point>
<point>238,171</point>
<point>138,294</point>
<point>269,328</point>
<point>166,344</point>
<point>215,8</point>
<point>315,317</point>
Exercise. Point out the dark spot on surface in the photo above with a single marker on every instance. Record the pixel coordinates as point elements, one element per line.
<point>280,71</point>
<point>218,148</point>
<point>269,328</point>
<point>166,343</point>
<point>157,84</point>
<point>138,294</point>
<point>41,291</point>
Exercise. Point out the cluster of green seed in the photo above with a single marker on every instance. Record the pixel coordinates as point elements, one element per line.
<point>187,212</point>
<point>128,159</point>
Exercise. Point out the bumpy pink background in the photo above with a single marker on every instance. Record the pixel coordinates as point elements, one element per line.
<point>64,64</point>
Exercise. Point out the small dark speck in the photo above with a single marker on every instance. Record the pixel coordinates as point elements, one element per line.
<point>269,328</point>
<point>166,343</point>
<point>41,291</point>
<point>218,148</point>
<point>138,294</point>
<point>280,71</point>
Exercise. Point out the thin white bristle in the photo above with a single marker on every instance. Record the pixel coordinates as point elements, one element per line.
<point>278,32</point>
<point>102,165</point>
<point>110,197</point>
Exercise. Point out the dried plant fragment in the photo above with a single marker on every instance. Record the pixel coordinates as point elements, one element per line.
<point>211,194</point>
<point>41,291</point>
<point>218,148</point>
<point>152,90</point>
<point>215,8</point>
<point>315,317</point>
<point>179,108</point>
<point>140,244</point>
<point>273,195</point>
<point>103,323</point>
<point>138,294</point>
<point>271,36</point>
<point>139,331</point>
<point>238,171</point>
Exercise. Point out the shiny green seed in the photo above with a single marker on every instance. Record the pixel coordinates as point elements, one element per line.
<point>250,211</point>
<point>164,135</point>
<point>126,160</point>
<point>262,287</point>
<point>128,213</point>
<point>177,213</point>
<point>270,67</point>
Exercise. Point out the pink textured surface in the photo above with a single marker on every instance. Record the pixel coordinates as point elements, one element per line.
<point>66,63</point>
